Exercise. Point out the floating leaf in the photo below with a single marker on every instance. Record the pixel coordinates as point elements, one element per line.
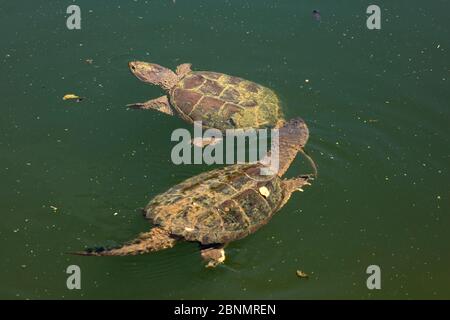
<point>71,96</point>
<point>302,274</point>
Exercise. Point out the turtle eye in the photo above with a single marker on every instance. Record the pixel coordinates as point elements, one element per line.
<point>231,122</point>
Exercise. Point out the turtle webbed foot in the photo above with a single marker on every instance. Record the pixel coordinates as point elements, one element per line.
<point>213,256</point>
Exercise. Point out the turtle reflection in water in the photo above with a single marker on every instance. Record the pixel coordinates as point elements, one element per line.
<point>220,206</point>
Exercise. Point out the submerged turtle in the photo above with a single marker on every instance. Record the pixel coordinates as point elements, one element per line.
<point>218,100</point>
<point>220,206</point>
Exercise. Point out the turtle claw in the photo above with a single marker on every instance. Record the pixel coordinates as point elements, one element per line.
<point>136,106</point>
<point>160,104</point>
<point>202,142</point>
<point>212,264</point>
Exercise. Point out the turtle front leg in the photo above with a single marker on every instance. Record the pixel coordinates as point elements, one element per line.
<point>213,255</point>
<point>294,184</point>
<point>183,69</point>
<point>160,104</point>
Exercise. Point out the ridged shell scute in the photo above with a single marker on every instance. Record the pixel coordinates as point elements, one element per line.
<point>225,102</point>
<point>213,208</point>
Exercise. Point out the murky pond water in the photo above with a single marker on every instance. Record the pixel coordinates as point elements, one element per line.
<point>75,174</point>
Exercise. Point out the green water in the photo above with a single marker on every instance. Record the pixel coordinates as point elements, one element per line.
<point>377,104</point>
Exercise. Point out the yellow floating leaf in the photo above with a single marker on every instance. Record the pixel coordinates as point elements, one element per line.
<point>302,274</point>
<point>70,96</point>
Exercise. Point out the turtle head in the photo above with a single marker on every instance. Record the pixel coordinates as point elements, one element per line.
<point>293,137</point>
<point>294,133</point>
<point>153,73</point>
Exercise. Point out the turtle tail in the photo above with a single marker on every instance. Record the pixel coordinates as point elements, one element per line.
<point>154,240</point>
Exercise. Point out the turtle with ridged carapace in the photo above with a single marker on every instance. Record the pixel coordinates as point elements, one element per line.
<point>222,205</point>
<point>218,100</point>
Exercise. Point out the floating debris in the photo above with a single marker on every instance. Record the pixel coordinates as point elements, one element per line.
<point>302,274</point>
<point>89,61</point>
<point>71,96</point>
<point>316,15</point>
<point>54,208</point>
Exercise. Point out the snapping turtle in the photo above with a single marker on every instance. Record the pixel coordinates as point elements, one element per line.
<point>220,206</point>
<point>218,100</point>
